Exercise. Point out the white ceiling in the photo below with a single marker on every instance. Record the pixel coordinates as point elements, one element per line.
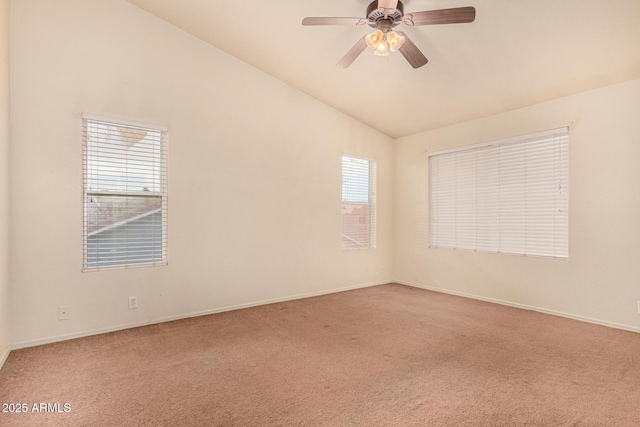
<point>516,53</point>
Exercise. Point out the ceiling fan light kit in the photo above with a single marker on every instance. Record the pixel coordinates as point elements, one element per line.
<point>383,16</point>
<point>384,42</point>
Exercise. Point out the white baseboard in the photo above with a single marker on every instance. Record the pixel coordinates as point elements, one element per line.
<point>49,340</point>
<point>523,306</point>
<point>4,355</point>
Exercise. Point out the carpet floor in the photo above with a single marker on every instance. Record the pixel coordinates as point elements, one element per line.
<point>388,355</point>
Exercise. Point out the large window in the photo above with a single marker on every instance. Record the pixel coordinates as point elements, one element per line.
<point>125,199</point>
<point>358,203</point>
<point>508,196</point>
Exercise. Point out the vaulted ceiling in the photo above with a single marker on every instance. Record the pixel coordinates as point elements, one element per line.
<point>516,53</point>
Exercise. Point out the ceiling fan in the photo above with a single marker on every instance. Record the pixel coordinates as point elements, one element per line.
<point>383,16</point>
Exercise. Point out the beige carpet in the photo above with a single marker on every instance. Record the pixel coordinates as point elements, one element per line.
<point>384,356</point>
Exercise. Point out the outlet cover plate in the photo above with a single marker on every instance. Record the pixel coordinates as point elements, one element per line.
<point>64,312</point>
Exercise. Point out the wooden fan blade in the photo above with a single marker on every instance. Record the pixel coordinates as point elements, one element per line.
<point>387,6</point>
<point>351,56</point>
<point>411,52</point>
<point>458,15</point>
<point>334,21</point>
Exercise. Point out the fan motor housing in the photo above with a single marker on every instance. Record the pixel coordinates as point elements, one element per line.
<point>378,19</point>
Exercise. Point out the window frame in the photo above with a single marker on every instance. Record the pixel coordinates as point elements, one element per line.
<point>159,193</point>
<point>371,203</point>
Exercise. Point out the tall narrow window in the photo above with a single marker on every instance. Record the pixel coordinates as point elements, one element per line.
<point>508,196</point>
<point>358,203</point>
<point>125,194</point>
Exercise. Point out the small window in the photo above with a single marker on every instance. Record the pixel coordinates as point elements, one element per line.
<point>358,203</point>
<point>125,194</point>
<point>509,196</point>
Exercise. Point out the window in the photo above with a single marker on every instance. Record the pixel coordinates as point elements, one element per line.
<point>358,203</point>
<point>509,196</point>
<point>125,194</point>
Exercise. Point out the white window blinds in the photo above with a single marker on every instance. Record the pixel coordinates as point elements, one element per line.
<point>509,196</point>
<point>125,199</point>
<point>358,203</point>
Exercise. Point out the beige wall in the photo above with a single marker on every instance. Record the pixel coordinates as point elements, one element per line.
<point>254,173</point>
<point>5,303</point>
<point>601,280</point>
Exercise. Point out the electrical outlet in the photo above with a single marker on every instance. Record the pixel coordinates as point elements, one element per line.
<point>64,311</point>
<point>381,269</point>
<point>133,303</point>
<point>638,307</point>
